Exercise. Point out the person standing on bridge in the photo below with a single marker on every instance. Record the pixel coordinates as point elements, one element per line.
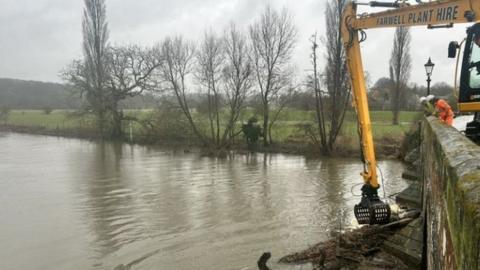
<point>442,109</point>
<point>428,108</point>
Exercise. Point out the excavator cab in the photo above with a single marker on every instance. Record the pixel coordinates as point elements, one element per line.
<point>469,94</point>
<point>469,88</point>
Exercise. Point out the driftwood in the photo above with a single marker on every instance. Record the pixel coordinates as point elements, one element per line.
<point>262,262</point>
<point>350,249</point>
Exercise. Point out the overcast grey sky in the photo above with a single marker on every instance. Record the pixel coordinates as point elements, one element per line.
<point>39,37</point>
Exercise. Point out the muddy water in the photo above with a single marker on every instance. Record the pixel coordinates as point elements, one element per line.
<point>74,204</point>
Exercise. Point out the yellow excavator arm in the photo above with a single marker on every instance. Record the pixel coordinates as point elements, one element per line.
<point>438,14</point>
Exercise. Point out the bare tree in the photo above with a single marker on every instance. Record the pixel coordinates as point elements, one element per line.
<point>400,66</point>
<point>210,59</point>
<point>107,75</point>
<point>273,39</point>
<point>336,73</point>
<point>237,76</point>
<point>130,73</point>
<point>91,75</point>
<point>178,56</point>
<point>314,83</point>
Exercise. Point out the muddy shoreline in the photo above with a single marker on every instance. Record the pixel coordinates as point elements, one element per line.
<point>386,147</point>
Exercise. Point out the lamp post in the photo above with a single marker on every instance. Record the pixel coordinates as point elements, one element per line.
<point>429,69</point>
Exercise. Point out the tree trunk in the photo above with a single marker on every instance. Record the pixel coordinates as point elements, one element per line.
<point>397,99</point>
<point>396,113</point>
<point>210,115</point>
<point>395,118</point>
<point>117,132</point>
<point>100,122</point>
<point>266,134</point>
<point>217,115</point>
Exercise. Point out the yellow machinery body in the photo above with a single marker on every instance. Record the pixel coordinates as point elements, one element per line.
<point>437,14</point>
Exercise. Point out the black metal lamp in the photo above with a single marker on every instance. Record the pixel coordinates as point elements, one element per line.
<point>429,69</point>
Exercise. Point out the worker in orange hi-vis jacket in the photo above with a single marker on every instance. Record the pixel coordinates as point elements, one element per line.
<point>442,109</point>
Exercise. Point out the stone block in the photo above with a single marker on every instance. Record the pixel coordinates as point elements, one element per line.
<point>407,244</point>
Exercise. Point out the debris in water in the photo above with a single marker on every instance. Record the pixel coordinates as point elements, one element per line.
<point>350,250</point>
<point>262,262</point>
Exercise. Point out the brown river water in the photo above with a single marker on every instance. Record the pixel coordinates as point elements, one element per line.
<point>76,204</point>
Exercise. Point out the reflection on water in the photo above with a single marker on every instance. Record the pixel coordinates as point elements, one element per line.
<point>74,204</point>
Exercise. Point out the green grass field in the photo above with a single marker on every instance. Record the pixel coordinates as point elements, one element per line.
<point>285,129</point>
<point>56,119</point>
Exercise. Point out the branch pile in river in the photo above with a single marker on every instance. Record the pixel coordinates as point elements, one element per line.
<point>350,250</point>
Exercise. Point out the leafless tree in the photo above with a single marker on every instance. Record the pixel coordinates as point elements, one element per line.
<point>107,75</point>
<point>210,58</point>
<point>89,76</point>
<point>400,66</point>
<point>336,73</point>
<point>178,56</point>
<point>273,38</point>
<point>130,73</point>
<point>237,76</point>
<point>314,83</point>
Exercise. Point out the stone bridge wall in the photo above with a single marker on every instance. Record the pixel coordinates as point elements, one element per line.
<point>451,174</point>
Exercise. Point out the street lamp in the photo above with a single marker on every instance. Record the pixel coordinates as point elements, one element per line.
<point>429,69</point>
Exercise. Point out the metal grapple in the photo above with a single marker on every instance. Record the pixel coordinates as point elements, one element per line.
<point>371,210</point>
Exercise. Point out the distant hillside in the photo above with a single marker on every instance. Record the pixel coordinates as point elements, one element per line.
<point>20,94</point>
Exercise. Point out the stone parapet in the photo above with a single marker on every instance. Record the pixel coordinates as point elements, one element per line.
<point>451,174</point>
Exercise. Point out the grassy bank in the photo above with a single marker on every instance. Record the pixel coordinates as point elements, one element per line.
<point>287,132</point>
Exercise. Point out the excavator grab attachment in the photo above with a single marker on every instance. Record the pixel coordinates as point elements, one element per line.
<point>371,210</point>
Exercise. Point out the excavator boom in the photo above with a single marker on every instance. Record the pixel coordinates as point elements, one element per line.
<point>437,14</point>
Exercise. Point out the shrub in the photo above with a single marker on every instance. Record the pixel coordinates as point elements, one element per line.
<point>4,112</point>
<point>47,110</point>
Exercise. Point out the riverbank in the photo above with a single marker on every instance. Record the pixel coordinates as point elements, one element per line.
<point>385,147</point>
<point>288,135</point>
